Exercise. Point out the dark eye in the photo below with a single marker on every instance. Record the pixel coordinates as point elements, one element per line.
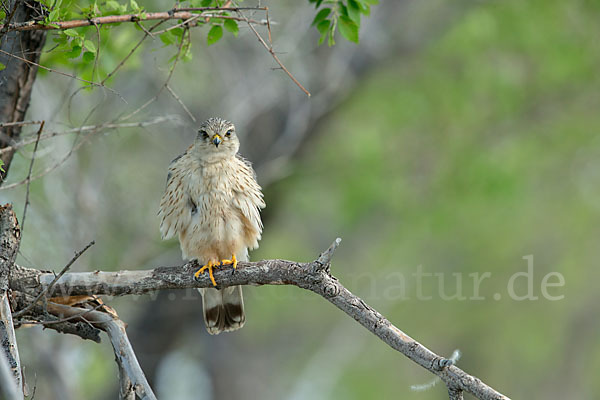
<point>204,134</point>
<point>229,132</point>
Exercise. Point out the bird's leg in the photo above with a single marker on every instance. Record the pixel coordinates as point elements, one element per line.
<point>208,266</point>
<point>233,261</point>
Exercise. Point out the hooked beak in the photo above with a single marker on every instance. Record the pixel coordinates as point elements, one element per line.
<point>216,140</point>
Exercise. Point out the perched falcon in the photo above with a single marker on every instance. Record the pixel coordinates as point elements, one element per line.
<point>212,201</point>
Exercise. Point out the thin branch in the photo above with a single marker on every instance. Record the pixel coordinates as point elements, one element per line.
<point>95,128</point>
<point>226,8</point>
<point>187,110</point>
<point>147,33</point>
<point>52,167</point>
<point>313,276</point>
<point>37,141</point>
<point>56,279</point>
<point>58,72</point>
<point>272,52</point>
<point>124,354</point>
<point>116,19</point>
<point>19,123</point>
<point>172,69</point>
<point>183,23</point>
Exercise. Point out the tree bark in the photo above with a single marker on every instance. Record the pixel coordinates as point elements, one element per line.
<point>16,80</point>
<point>10,236</point>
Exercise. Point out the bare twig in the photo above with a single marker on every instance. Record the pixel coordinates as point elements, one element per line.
<point>147,33</point>
<point>70,317</point>
<point>94,128</point>
<point>172,69</point>
<point>183,23</point>
<point>272,52</point>
<point>313,276</point>
<point>28,179</point>
<point>57,72</point>
<point>54,166</point>
<point>187,110</point>
<point>56,278</point>
<point>19,123</point>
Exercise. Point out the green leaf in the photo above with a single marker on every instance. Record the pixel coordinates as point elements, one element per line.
<point>342,9</point>
<point>215,33</point>
<point>88,56</point>
<point>206,3</point>
<point>323,28</point>
<point>71,32</point>
<point>177,32</point>
<point>348,29</point>
<point>166,38</point>
<point>89,45</point>
<point>2,66</point>
<point>372,2</point>
<point>114,5</point>
<point>53,15</point>
<point>232,26</point>
<point>2,166</point>
<point>2,14</point>
<point>74,53</point>
<point>321,15</point>
<point>61,39</point>
<point>354,11</point>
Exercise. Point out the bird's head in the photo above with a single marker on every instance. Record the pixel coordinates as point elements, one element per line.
<point>217,139</point>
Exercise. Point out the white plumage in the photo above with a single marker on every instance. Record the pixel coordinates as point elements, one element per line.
<point>212,202</point>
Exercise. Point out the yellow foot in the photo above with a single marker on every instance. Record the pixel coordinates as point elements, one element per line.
<point>209,266</point>
<point>233,261</point>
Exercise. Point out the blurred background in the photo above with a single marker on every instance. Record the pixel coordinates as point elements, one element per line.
<point>456,139</point>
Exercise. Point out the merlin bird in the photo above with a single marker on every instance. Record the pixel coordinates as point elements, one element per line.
<point>212,201</point>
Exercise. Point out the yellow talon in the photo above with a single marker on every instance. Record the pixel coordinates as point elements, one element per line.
<point>209,266</point>
<point>233,261</point>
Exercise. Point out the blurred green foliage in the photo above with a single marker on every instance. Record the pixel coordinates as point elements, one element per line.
<point>477,152</point>
<point>80,47</point>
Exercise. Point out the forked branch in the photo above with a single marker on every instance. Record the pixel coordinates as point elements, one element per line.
<point>314,276</point>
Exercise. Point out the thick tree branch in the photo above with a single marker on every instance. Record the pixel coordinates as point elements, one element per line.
<point>131,375</point>
<point>10,237</point>
<point>313,276</point>
<point>20,52</point>
<point>8,386</point>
